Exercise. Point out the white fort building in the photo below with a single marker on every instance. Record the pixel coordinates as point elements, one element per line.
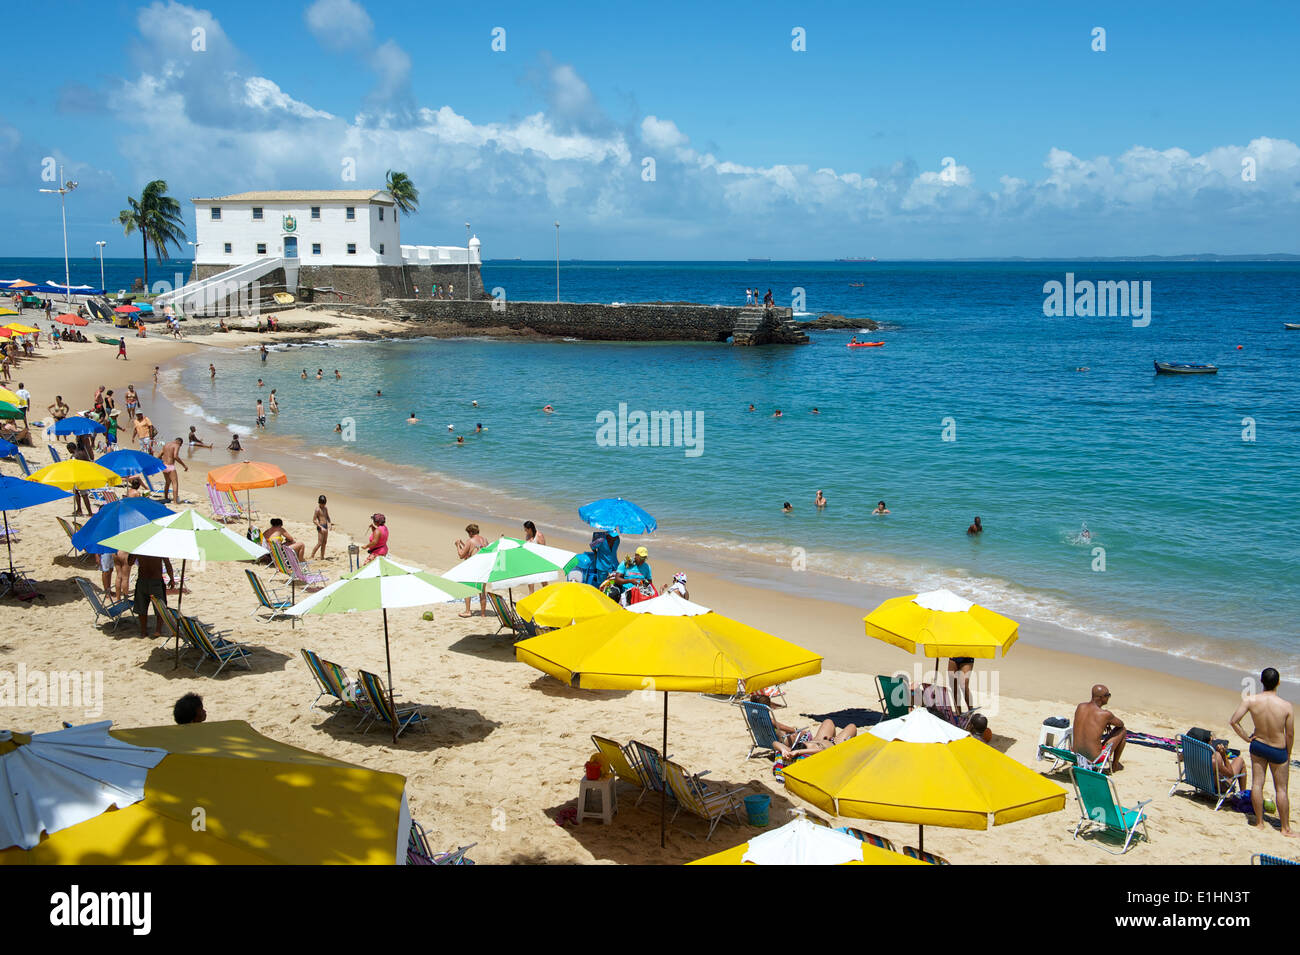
<point>319,245</point>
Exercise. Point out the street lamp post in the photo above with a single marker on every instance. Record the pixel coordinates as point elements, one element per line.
<point>557,260</point>
<point>468,236</point>
<point>101,243</point>
<point>63,190</point>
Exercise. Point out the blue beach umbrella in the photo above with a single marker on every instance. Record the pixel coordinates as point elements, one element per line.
<point>7,450</point>
<point>18,493</point>
<point>614,513</point>
<point>128,463</point>
<point>76,425</point>
<point>116,518</point>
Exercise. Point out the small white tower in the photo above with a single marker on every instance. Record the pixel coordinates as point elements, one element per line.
<point>475,256</point>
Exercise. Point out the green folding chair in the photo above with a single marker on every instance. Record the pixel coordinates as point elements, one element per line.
<point>1100,808</point>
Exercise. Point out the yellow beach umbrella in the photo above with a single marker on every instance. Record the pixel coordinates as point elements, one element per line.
<point>941,624</point>
<point>703,653</point>
<point>7,311</point>
<point>921,769</point>
<point>21,329</point>
<point>76,475</point>
<point>9,396</point>
<point>565,603</point>
<point>804,843</point>
<point>222,794</point>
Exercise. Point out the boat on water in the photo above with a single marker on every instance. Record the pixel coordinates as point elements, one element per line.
<point>758,260</point>
<point>857,285</point>
<point>865,344</point>
<point>858,259</point>
<point>1175,368</point>
<point>1291,326</point>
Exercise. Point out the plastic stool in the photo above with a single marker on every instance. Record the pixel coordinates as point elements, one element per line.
<point>601,791</point>
<point>1058,737</point>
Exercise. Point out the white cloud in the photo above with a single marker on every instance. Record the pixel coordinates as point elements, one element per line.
<point>662,133</point>
<point>340,24</point>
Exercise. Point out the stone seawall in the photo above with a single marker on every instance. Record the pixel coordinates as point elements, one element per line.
<point>360,284</point>
<point>695,323</point>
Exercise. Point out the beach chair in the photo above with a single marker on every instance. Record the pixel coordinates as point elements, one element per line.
<point>9,533</point>
<point>172,626</point>
<point>623,762</point>
<point>1196,769</point>
<point>328,687</point>
<point>70,529</point>
<point>762,729</point>
<point>895,696</point>
<point>300,570</point>
<point>341,688</point>
<point>650,764</point>
<point>221,509</point>
<point>1263,858</point>
<point>246,511</point>
<point>880,842</point>
<point>22,463</point>
<point>221,652</point>
<point>922,856</point>
<point>382,710</point>
<point>691,795</point>
<point>113,611</point>
<point>268,599</point>
<point>1099,807</point>
<point>509,617</point>
<point>54,453</point>
<point>419,853</point>
<point>1062,757</point>
<point>938,700</point>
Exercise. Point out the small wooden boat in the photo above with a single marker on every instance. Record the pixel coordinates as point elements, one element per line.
<point>865,344</point>
<point>283,298</point>
<point>105,340</point>
<point>1291,326</point>
<point>857,285</point>
<point>1174,368</point>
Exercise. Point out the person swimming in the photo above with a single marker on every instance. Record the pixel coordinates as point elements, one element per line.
<point>787,508</point>
<point>880,508</point>
<point>413,419</point>
<point>777,414</point>
<point>750,408</point>
<point>460,440</point>
<point>976,528</point>
<point>820,500</point>
<point>548,409</point>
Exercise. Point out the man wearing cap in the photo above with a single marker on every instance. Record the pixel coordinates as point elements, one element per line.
<point>630,577</point>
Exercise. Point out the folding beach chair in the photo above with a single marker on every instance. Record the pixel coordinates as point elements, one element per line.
<point>244,510</point>
<point>222,652</point>
<point>1196,769</point>
<point>113,611</point>
<point>342,688</point>
<point>1099,807</point>
<point>22,463</point>
<point>328,684</point>
<point>54,453</point>
<point>268,599</point>
<point>691,795</point>
<point>938,700</point>
<point>623,762</point>
<point>221,509</point>
<point>70,529</point>
<point>381,710</point>
<point>762,729</point>
<point>419,853</point>
<point>1062,757</point>
<point>1263,858</point>
<point>880,842</point>
<point>649,765</point>
<point>509,617</point>
<point>895,696</point>
<point>171,624</point>
<point>300,570</point>
<point>923,856</point>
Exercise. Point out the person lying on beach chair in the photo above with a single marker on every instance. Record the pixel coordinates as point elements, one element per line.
<point>1095,727</point>
<point>793,741</point>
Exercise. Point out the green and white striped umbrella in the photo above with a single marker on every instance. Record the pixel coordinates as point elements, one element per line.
<point>379,585</point>
<point>510,562</point>
<point>185,535</point>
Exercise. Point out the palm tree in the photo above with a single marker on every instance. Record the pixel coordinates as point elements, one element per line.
<point>157,217</point>
<point>405,196</point>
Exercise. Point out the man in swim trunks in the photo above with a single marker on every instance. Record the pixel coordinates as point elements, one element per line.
<point>1095,726</point>
<point>143,432</point>
<point>171,456</point>
<point>149,583</point>
<point>1270,746</point>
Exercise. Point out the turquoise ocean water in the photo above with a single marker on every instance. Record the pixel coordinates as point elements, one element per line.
<point>1198,527</point>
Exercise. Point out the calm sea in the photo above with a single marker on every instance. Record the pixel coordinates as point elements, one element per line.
<point>974,406</point>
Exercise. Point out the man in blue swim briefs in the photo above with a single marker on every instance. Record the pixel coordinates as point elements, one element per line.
<point>1270,746</point>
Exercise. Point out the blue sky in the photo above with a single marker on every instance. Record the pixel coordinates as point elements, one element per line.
<point>758,150</point>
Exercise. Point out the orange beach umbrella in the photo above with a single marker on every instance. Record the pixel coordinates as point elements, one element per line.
<point>244,476</point>
<point>70,319</point>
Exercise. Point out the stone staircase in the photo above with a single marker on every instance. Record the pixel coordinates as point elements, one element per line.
<point>757,325</point>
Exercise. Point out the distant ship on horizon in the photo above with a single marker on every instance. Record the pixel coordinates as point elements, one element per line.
<point>858,259</point>
<point>758,260</point>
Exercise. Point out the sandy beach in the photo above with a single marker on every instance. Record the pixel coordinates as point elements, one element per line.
<point>505,745</point>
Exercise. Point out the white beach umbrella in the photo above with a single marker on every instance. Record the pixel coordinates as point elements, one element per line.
<point>51,781</point>
<point>918,726</point>
<point>802,842</point>
<point>669,605</point>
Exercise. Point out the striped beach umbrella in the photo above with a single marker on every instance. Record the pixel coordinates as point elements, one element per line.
<point>382,584</point>
<point>510,562</point>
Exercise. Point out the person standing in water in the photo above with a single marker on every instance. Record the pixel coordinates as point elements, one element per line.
<point>976,528</point>
<point>820,500</point>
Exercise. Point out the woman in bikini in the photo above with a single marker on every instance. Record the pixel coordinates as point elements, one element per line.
<point>805,742</point>
<point>322,521</point>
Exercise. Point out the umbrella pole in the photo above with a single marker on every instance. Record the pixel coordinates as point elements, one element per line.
<point>920,839</point>
<point>663,782</point>
<point>248,506</point>
<point>9,547</point>
<point>388,660</point>
<point>176,662</point>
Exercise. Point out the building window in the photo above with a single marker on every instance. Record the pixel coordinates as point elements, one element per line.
<point>315,212</point>
<point>351,212</point>
<point>381,213</point>
<point>216,212</point>
<point>257,212</point>
<point>227,248</point>
<point>261,248</point>
<point>381,248</point>
<point>315,248</point>
<point>352,248</point>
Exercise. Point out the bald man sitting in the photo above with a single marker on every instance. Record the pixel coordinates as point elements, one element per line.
<point>1095,726</point>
